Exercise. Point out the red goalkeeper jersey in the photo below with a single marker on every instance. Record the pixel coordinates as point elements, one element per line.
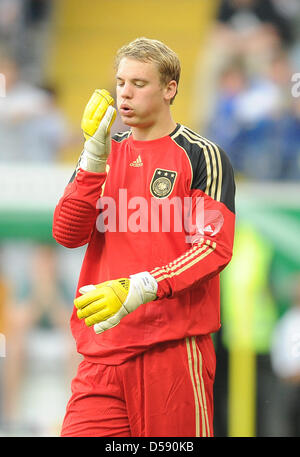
<point>165,206</point>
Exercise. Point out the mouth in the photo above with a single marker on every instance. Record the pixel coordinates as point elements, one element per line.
<point>126,110</point>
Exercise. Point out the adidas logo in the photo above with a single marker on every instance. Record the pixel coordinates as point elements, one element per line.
<point>137,163</point>
<point>208,229</point>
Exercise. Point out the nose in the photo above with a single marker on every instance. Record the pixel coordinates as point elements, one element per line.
<point>126,90</point>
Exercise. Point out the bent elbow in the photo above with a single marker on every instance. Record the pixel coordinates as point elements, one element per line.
<point>73,224</point>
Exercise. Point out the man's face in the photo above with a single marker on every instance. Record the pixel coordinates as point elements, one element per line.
<point>141,98</point>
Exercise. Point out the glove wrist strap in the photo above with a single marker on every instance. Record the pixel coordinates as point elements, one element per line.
<point>90,162</point>
<point>146,286</point>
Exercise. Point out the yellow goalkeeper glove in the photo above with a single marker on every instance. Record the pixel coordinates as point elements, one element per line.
<point>97,119</point>
<point>105,304</point>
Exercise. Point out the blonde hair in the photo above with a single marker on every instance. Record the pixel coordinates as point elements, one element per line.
<point>149,50</point>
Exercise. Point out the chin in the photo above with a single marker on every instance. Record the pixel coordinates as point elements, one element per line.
<point>130,122</point>
<point>134,122</point>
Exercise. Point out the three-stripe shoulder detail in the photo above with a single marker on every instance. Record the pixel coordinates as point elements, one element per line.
<point>206,161</point>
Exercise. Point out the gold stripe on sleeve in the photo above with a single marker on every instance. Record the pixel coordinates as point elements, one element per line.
<point>183,256</point>
<point>163,273</point>
<point>175,265</point>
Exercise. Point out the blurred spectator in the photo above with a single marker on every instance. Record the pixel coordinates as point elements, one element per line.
<point>24,30</point>
<point>31,126</point>
<point>36,11</point>
<point>36,27</point>
<point>254,29</point>
<point>224,125</point>
<point>256,119</point>
<point>38,341</point>
<point>241,123</point>
<point>285,357</point>
<point>254,32</point>
<point>286,341</point>
<point>37,310</point>
<point>255,20</point>
<point>11,22</point>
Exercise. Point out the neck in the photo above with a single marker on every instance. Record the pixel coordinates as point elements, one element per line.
<point>153,131</point>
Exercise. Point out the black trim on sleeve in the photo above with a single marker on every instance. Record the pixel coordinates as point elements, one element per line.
<point>119,137</point>
<point>212,170</point>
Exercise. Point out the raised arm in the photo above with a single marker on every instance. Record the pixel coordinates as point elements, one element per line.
<point>74,216</point>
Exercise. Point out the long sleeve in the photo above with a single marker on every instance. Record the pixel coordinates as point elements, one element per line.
<point>211,236</point>
<point>75,214</point>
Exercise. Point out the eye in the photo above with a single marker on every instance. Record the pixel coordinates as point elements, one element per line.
<point>139,84</point>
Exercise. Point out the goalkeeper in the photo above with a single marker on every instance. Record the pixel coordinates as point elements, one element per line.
<point>148,295</point>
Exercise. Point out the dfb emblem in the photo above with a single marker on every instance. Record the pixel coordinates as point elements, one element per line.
<point>162,183</point>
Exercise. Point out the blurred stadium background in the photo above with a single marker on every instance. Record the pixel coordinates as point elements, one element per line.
<point>240,68</point>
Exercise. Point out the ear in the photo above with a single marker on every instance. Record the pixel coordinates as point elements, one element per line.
<point>170,90</point>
